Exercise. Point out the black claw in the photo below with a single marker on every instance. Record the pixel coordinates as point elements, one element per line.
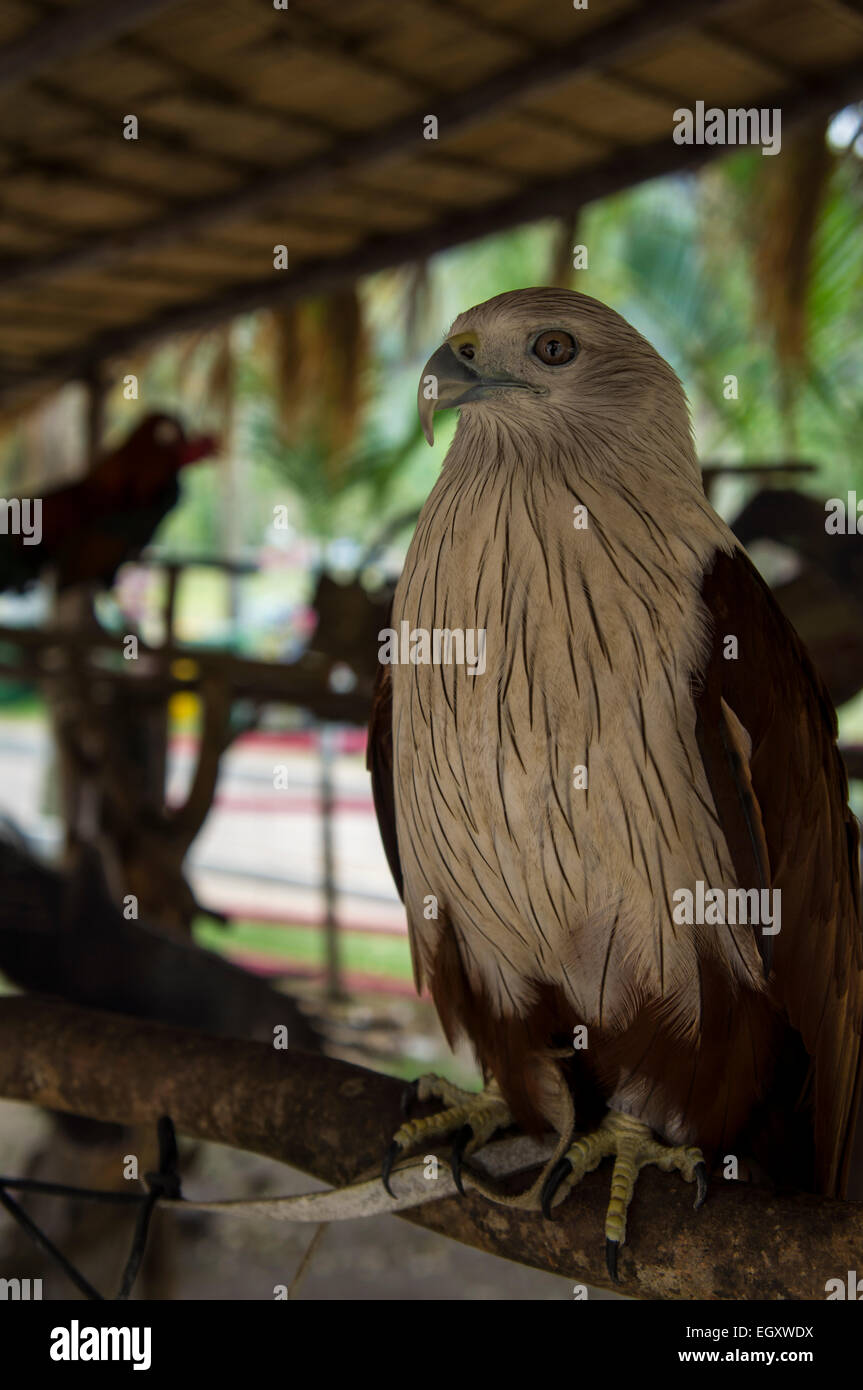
<point>460,1142</point>
<point>561,1170</point>
<point>409,1095</point>
<point>390,1157</point>
<point>701,1180</point>
<point>611,1249</point>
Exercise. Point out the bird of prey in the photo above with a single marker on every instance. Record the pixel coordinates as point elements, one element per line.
<point>645,725</point>
<point>91,527</point>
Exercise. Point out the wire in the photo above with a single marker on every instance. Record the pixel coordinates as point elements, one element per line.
<point>162,1185</point>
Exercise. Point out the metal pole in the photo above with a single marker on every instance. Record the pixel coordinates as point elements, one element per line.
<point>327,735</point>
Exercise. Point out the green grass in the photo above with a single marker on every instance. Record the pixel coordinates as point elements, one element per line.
<point>366,952</point>
<point>17,701</point>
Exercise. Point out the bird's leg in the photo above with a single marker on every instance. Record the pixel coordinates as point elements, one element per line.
<point>469,1119</point>
<point>633,1145</point>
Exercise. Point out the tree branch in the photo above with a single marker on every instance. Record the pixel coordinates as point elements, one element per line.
<point>333,1120</point>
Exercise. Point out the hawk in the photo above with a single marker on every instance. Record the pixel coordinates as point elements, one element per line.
<point>645,731</point>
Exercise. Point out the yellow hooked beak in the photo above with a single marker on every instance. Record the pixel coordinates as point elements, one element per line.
<point>449,379</point>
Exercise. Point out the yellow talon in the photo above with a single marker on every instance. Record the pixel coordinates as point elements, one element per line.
<point>634,1147</point>
<point>469,1118</point>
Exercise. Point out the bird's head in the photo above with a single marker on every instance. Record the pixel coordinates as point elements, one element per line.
<point>151,457</point>
<point>163,435</point>
<point>557,364</point>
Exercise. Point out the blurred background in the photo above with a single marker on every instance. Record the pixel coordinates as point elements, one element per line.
<point>206,801</point>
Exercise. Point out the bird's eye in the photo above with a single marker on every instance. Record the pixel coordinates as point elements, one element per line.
<point>555,347</point>
<point>166,432</point>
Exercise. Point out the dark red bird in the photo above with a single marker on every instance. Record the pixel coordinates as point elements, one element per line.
<point>91,527</point>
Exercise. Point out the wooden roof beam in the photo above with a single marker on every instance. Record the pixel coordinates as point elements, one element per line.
<point>849,11</point>
<point>162,137</point>
<point>620,40</point>
<point>555,198</point>
<point>64,34</point>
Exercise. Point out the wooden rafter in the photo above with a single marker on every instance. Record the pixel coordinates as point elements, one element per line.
<point>63,36</point>
<point>620,40</point>
<point>555,198</point>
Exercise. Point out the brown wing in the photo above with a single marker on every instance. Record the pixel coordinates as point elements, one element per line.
<point>784,809</point>
<point>379,761</point>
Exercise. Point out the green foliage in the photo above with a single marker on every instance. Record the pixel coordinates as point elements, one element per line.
<point>676,261</point>
<point>369,952</point>
<point>346,499</point>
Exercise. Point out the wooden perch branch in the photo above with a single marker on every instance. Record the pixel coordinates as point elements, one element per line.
<point>44,652</point>
<point>332,1120</point>
<point>186,820</point>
